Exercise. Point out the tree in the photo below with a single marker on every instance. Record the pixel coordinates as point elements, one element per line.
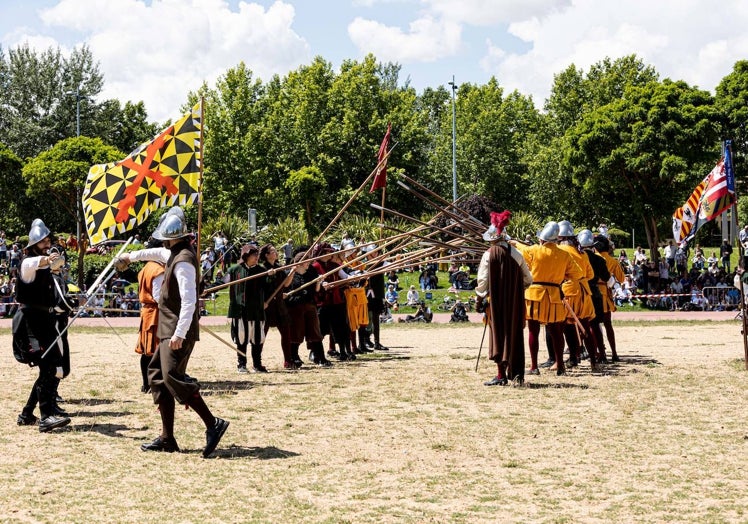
<point>61,173</point>
<point>12,189</point>
<point>41,92</point>
<point>648,149</point>
<point>305,187</point>
<point>732,102</point>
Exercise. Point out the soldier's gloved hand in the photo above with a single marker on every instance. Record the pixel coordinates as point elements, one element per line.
<point>121,263</point>
<point>480,306</point>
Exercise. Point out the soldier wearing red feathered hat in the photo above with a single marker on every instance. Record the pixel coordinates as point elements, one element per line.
<point>503,276</point>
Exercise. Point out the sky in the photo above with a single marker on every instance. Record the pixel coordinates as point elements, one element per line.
<point>159,50</point>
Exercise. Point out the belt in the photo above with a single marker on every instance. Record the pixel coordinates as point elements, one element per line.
<point>547,284</point>
<point>38,308</point>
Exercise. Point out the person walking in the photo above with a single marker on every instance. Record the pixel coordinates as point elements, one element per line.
<point>178,331</point>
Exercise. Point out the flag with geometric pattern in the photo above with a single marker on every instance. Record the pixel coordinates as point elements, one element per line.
<point>712,197</point>
<point>164,172</point>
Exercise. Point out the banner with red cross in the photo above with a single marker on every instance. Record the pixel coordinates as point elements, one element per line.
<point>164,172</point>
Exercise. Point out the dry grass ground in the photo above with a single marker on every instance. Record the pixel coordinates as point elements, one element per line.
<point>410,435</point>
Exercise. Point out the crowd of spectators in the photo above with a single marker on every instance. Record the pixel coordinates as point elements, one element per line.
<point>683,279</point>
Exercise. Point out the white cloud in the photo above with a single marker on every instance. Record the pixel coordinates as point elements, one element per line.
<point>491,12</point>
<point>159,52</point>
<point>685,40</point>
<point>427,40</point>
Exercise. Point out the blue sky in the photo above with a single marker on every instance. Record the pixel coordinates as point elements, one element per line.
<point>158,50</point>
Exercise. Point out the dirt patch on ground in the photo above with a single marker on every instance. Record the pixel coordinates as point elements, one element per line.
<point>408,435</point>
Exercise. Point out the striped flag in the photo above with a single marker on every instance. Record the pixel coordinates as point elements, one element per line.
<point>713,196</point>
<point>164,172</point>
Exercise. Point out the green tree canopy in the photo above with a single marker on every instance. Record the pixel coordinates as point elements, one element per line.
<point>648,149</point>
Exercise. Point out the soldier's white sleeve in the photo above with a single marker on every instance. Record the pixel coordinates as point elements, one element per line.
<point>156,284</point>
<point>185,275</point>
<point>159,254</point>
<point>29,267</point>
<point>482,288</point>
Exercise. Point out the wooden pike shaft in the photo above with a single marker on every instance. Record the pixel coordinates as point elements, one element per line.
<point>443,200</point>
<point>469,226</point>
<point>407,217</point>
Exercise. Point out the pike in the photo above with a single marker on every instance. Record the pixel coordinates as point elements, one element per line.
<point>379,271</point>
<point>412,219</point>
<point>473,228</point>
<point>325,275</point>
<point>443,200</point>
<point>426,241</point>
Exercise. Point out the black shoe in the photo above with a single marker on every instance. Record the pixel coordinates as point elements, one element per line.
<point>380,347</point>
<point>241,369</point>
<point>298,363</point>
<point>365,350</point>
<point>59,399</point>
<point>535,371</point>
<point>259,369</point>
<point>213,436</point>
<point>333,353</point>
<point>57,410</point>
<point>26,419</point>
<point>325,364</point>
<point>167,445</point>
<point>145,389</point>
<point>51,422</point>
<point>369,344</point>
<point>312,359</point>
<point>548,363</point>
<point>496,381</point>
<point>616,358</point>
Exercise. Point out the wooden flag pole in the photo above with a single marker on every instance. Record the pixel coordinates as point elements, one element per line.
<point>200,184</point>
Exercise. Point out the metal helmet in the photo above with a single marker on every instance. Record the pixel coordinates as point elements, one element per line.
<point>37,233</point>
<point>586,238</point>
<point>565,229</point>
<point>172,226</point>
<point>549,232</point>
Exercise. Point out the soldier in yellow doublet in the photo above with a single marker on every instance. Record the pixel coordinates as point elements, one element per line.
<point>549,266</point>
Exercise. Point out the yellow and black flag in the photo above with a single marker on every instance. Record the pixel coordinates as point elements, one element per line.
<point>163,172</point>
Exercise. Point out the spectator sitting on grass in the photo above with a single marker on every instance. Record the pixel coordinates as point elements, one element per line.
<point>413,297</point>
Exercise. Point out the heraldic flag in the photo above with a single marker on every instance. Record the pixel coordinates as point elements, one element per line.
<point>714,195</point>
<point>163,172</point>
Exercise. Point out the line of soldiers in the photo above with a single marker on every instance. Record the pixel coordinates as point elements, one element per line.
<point>303,306</point>
<point>563,283</point>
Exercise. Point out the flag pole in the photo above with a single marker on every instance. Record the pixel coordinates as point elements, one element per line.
<point>200,183</point>
<point>381,215</point>
<point>743,249</point>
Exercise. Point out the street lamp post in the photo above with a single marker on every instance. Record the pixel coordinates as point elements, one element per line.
<point>454,142</point>
<point>78,97</point>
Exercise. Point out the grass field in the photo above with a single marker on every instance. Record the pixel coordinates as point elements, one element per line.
<point>409,435</point>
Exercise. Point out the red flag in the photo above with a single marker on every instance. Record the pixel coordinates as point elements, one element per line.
<point>380,178</point>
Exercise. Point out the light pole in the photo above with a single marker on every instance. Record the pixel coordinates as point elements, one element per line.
<point>454,142</point>
<point>78,97</point>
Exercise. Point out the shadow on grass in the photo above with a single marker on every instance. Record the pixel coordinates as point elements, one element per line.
<point>112,414</point>
<point>560,385</point>
<point>91,401</point>
<point>223,387</point>
<point>261,453</point>
<point>108,430</point>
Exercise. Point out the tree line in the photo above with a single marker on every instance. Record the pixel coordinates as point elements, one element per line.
<point>614,144</point>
